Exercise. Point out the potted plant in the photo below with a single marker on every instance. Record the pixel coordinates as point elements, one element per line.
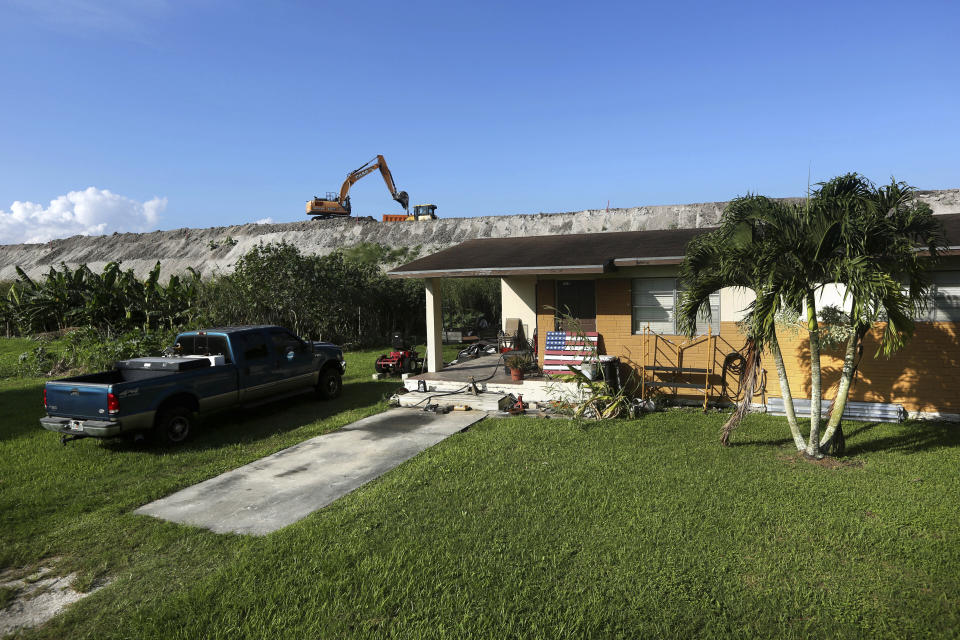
<point>518,363</point>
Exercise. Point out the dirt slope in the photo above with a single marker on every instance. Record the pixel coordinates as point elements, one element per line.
<point>181,248</point>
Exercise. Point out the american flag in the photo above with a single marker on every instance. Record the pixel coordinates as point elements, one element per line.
<point>565,348</point>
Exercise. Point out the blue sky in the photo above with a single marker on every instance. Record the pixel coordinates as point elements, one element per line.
<point>220,113</point>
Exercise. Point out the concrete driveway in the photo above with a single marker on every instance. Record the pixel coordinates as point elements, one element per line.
<point>282,488</point>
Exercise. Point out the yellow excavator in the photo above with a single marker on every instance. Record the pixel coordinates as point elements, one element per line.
<point>338,205</point>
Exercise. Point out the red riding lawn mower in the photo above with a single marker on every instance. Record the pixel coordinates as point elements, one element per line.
<point>402,359</point>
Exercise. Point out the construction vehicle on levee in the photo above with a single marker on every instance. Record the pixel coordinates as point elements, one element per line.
<point>403,359</point>
<point>337,205</point>
<point>420,212</point>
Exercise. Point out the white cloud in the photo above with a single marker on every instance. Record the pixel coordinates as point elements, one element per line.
<point>89,212</point>
<point>264,221</point>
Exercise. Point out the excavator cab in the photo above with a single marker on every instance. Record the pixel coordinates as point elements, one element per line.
<point>328,206</point>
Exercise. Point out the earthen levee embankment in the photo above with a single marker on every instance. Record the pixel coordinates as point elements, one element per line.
<point>179,249</point>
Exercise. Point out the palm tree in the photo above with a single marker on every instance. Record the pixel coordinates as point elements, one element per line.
<point>747,250</point>
<point>883,246</point>
<point>870,240</point>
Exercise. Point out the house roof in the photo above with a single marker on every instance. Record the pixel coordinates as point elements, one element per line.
<point>581,253</point>
<point>951,227</point>
<point>537,255</point>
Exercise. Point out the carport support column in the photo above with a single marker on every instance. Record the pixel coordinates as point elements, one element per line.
<point>434,324</point>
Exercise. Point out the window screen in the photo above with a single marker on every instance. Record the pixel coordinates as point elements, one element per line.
<point>714,322</point>
<point>654,300</point>
<point>946,297</point>
<point>655,304</point>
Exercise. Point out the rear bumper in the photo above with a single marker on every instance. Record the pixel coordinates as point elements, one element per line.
<point>99,428</point>
<point>94,428</point>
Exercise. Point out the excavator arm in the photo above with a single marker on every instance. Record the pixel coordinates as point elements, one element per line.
<point>377,163</point>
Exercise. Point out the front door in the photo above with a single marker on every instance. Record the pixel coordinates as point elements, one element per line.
<point>578,299</point>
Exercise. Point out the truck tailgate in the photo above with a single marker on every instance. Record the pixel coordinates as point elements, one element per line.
<point>77,399</point>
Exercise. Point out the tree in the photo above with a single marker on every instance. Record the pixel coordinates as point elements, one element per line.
<point>847,232</point>
<point>885,243</point>
<point>745,251</point>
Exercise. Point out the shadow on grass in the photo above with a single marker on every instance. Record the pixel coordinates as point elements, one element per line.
<point>736,441</point>
<point>244,425</point>
<point>20,411</point>
<point>911,437</point>
<point>852,429</point>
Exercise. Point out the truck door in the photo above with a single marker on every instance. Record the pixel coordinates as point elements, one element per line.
<point>294,363</point>
<point>258,376</point>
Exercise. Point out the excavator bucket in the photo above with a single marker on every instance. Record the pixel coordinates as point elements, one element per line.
<point>403,199</point>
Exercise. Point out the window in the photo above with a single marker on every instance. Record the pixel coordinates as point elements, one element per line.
<point>655,303</point>
<point>284,341</point>
<point>205,345</point>
<point>945,303</point>
<point>255,348</point>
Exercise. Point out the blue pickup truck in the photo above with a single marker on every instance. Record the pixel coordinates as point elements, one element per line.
<point>203,371</point>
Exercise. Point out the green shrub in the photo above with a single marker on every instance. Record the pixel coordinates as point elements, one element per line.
<point>343,297</point>
<point>90,350</point>
<point>36,362</point>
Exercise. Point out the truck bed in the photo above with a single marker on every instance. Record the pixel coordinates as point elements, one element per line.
<point>116,376</point>
<point>137,389</point>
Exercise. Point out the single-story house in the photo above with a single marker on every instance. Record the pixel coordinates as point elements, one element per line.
<point>624,286</point>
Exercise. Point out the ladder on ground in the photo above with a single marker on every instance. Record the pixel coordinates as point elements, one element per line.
<point>676,376</point>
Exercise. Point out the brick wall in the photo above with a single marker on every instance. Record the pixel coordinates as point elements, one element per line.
<point>925,376</point>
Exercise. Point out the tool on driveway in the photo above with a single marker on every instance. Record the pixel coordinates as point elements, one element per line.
<point>519,407</point>
<point>437,408</point>
<point>473,387</point>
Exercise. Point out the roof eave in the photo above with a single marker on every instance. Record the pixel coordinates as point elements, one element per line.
<point>637,262</point>
<point>498,272</point>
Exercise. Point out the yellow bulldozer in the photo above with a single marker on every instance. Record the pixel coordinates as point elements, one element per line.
<point>337,205</point>
<point>420,212</point>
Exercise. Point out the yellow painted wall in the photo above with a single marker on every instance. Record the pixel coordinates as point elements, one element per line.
<point>925,376</point>
<point>518,295</point>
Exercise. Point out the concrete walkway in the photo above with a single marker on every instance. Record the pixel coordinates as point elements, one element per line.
<point>282,488</point>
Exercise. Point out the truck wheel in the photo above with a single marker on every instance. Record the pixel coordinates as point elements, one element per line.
<point>409,365</point>
<point>330,385</point>
<point>173,426</point>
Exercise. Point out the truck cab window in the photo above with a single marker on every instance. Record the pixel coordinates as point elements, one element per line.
<point>256,349</point>
<point>284,342</point>
<point>195,345</point>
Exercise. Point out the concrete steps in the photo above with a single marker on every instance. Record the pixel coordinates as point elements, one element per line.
<point>538,390</point>
<point>481,402</point>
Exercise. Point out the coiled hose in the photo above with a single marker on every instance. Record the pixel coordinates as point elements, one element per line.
<point>736,365</point>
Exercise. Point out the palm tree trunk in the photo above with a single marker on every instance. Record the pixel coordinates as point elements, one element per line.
<point>816,393</point>
<point>785,393</point>
<point>843,391</point>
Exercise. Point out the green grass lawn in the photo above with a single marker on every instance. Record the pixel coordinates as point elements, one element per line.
<point>515,528</point>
